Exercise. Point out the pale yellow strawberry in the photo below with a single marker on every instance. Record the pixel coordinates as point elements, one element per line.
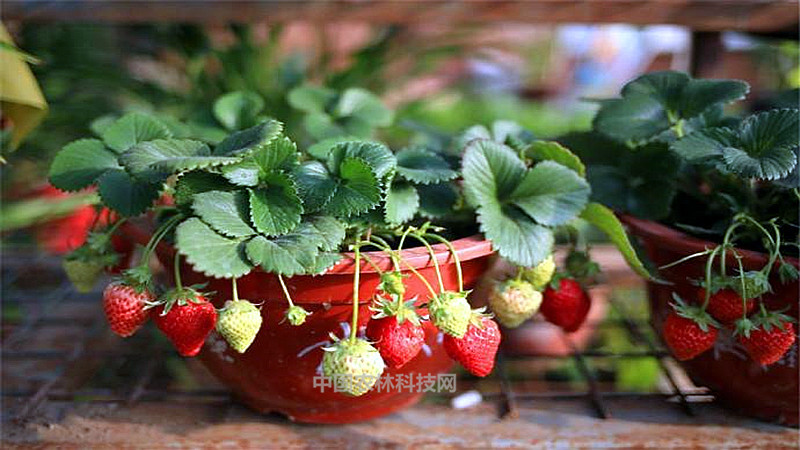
<point>541,274</point>
<point>353,366</point>
<point>239,322</point>
<point>514,301</point>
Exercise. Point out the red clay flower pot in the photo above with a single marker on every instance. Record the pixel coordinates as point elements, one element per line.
<point>277,372</point>
<point>768,393</point>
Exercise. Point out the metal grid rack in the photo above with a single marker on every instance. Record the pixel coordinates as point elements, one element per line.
<point>56,349</point>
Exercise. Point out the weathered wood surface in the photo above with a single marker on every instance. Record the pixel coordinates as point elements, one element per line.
<point>704,15</point>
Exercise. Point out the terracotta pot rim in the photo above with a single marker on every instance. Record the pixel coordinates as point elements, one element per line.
<point>686,243</point>
<point>467,248</point>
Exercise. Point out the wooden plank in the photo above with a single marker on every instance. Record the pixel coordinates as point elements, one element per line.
<point>703,15</point>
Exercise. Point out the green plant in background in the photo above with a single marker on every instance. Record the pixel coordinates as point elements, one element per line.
<point>665,151</point>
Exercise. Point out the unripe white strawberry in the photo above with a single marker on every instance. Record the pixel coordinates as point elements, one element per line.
<point>514,301</point>
<point>354,366</point>
<point>450,312</point>
<point>239,322</point>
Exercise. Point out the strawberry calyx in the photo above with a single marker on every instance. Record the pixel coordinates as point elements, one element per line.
<point>392,283</point>
<point>181,296</point>
<point>395,307</point>
<point>139,278</point>
<point>296,315</point>
<point>579,265</point>
<point>751,284</point>
<point>478,316</point>
<point>764,319</point>
<point>695,313</point>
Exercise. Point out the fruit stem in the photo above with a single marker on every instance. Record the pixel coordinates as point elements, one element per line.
<point>235,290</point>
<point>386,245</point>
<point>285,290</point>
<point>395,257</point>
<point>158,235</point>
<point>356,280</point>
<point>435,260</point>
<point>177,270</point>
<point>741,280</point>
<point>455,258</point>
<point>371,262</point>
<point>709,267</point>
<point>685,258</point>
<point>116,225</point>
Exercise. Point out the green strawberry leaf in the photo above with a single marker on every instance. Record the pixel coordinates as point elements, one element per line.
<point>553,151</point>
<point>364,105</point>
<point>247,141</point>
<point>126,195</point>
<point>322,262</point>
<point>377,156</point>
<point>763,146</point>
<point>322,126</point>
<point>314,184</point>
<point>514,235</point>
<point>330,231</point>
<point>642,182</point>
<point>226,212</point>
<point>132,129</point>
<point>277,155</point>
<point>699,95</point>
<point>654,104</point>
<point>191,183</point>
<point>551,194</point>
<point>275,209</point>
<point>80,163</point>
<point>155,160</point>
<point>243,173</point>
<point>357,191</point>
<point>402,202</point>
<point>289,254</point>
<point>311,99</point>
<point>209,252</point>
<point>605,220</point>
<point>635,118</point>
<point>437,200</point>
<point>322,149</point>
<point>239,109</point>
<point>491,172</point>
<point>422,166</point>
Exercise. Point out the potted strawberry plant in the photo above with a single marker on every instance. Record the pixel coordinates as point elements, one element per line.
<point>330,282</point>
<point>714,200</point>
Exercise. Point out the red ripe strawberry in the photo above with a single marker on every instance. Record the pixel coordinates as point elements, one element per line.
<point>186,319</point>
<point>726,305</point>
<point>767,337</point>
<point>567,306</point>
<point>476,350</point>
<point>689,330</point>
<point>125,308</point>
<point>395,331</point>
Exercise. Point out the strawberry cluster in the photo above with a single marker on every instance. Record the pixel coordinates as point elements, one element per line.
<point>724,301</point>
<point>560,297</point>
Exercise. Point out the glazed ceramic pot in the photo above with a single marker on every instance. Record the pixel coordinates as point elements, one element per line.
<point>768,393</point>
<point>277,373</point>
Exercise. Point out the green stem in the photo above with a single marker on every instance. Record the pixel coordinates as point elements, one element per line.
<point>386,245</point>
<point>686,258</point>
<point>356,281</point>
<point>285,290</point>
<point>709,267</point>
<point>741,280</point>
<point>116,225</point>
<point>371,262</point>
<point>726,242</point>
<point>158,235</point>
<point>455,258</point>
<point>435,260</point>
<point>235,290</point>
<point>395,257</point>
<point>177,270</point>
<point>403,239</point>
